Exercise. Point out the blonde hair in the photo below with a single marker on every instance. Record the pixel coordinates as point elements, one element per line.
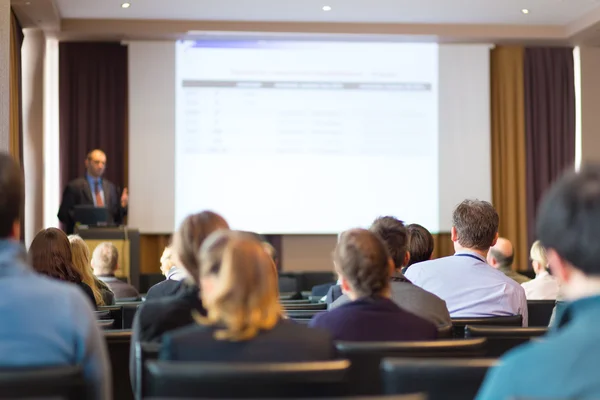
<point>538,253</point>
<point>245,298</point>
<point>80,254</point>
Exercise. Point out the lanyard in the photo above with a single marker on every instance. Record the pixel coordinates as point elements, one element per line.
<point>469,255</point>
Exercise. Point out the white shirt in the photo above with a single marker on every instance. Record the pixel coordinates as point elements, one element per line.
<point>470,287</point>
<point>543,287</point>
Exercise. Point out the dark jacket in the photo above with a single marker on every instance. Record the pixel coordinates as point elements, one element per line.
<point>409,297</point>
<point>373,319</point>
<point>122,290</point>
<point>78,192</point>
<point>166,288</point>
<point>88,292</point>
<point>286,342</point>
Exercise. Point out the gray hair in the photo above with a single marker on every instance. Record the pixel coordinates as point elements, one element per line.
<point>105,258</point>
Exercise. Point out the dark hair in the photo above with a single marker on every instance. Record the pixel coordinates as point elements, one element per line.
<point>420,244</point>
<point>50,254</point>
<point>395,237</point>
<point>501,258</point>
<point>190,235</point>
<point>12,194</point>
<point>476,223</point>
<point>568,219</point>
<point>362,258</point>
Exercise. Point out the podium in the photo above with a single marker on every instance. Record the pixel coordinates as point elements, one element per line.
<point>127,242</point>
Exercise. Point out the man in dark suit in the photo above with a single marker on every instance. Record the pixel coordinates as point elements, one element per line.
<point>93,190</point>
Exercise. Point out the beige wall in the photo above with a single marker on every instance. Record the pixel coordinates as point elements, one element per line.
<point>590,103</point>
<point>308,252</point>
<point>4,74</point>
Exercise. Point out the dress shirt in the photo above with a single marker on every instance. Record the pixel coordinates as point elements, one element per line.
<point>564,365</point>
<point>514,275</point>
<point>543,287</point>
<point>470,287</point>
<point>92,182</point>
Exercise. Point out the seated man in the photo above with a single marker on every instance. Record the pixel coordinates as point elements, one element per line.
<point>420,244</point>
<point>364,266</point>
<point>501,256</point>
<point>470,287</point>
<point>105,261</point>
<point>173,274</point>
<point>408,296</point>
<point>565,364</point>
<point>45,322</point>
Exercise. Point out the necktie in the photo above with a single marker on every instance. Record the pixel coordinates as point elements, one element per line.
<point>99,201</point>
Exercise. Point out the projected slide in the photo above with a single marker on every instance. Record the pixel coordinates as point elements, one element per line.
<point>307,137</point>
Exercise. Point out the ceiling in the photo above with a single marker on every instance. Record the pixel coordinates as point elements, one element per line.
<point>542,12</point>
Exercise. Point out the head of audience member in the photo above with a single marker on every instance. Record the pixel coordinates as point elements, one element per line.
<point>95,163</point>
<point>167,260</point>
<point>81,261</point>
<point>12,198</point>
<point>189,238</point>
<point>105,259</point>
<point>501,255</point>
<point>568,225</point>
<point>394,235</point>
<point>474,227</point>
<point>363,264</point>
<point>420,244</point>
<point>50,254</point>
<point>238,281</point>
<point>539,261</point>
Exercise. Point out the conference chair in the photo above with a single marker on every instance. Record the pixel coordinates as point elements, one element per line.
<point>445,332</point>
<point>305,307</point>
<point>105,324</point>
<point>178,379</point>
<point>111,312</point>
<point>460,323</point>
<point>540,312</point>
<point>365,357</point>
<point>49,382</point>
<point>118,343</point>
<point>501,339</point>
<point>298,315</point>
<point>144,351</point>
<point>440,379</point>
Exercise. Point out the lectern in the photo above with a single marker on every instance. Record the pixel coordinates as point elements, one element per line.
<point>127,242</point>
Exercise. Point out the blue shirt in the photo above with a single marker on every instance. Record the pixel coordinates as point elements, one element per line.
<point>564,365</point>
<point>470,287</point>
<point>93,182</point>
<point>46,322</point>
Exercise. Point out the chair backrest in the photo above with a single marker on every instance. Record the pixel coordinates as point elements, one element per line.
<point>540,312</point>
<point>144,351</point>
<point>246,380</point>
<point>127,300</point>
<point>445,332</point>
<point>302,314</point>
<point>105,324</point>
<point>501,339</point>
<point>129,311</point>
<point>118,343</point>
<point>460,323</point>
<point>305,307</point>
<point>111,312</point>
<point>446,379</point>
<point>66,383</point>
<point>366,357</point>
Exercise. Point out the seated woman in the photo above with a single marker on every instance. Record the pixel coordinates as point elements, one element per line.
<point>173,273</point>
<point>50,254</point>
<point>244,320</point>
<point>544,286</point>
<point>364,266</point>
<point>81,261</point>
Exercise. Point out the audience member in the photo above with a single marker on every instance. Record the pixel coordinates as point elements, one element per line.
<point>420,244</point>
<point>50,254</point>
<point>173,273</point>
<point>408,296</point>
<point>470,287</point>
<point>544,286</point>
<point>81,261</point>
<point>45,322</point>
<point>105,262</point>
<point>501,256</point>
<point>364,266</point>
<point>564,365</point>
<point>244,319</point>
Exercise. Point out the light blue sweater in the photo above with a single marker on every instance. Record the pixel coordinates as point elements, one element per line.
<point>45,322</point>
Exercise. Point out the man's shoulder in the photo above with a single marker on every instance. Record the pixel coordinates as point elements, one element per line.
<point>77,182</point>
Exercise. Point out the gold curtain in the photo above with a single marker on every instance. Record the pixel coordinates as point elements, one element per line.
<point>15,95</point>
<point>508,148</point>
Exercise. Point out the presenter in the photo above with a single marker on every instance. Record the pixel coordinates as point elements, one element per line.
<point>94,190</point>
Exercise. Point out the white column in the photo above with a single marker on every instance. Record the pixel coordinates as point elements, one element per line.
<point>589,140</point>
<point>4,74</point>
<point>33,54</point>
